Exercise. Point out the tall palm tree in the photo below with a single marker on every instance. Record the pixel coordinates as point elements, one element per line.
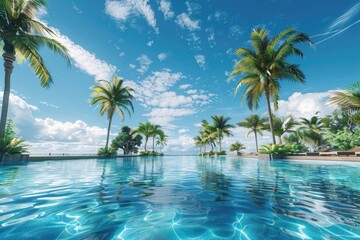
<point>22,35</point>
<point>112,97</point>
<point>145,129</point>
<point>266,65</point>
<point>283,125</point>
<point>220,128</point>
<point>256,125</point>
<point>348,100</point>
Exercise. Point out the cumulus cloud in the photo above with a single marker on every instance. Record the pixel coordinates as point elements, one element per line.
<point>165,8</point>
<point>185,86</point>
<point>144,62</point>
<point>55,135</point>
<point>305,105</point>
<point>163,105</point>
<point>162,56</point>
<point>85,60</point>
<point>200,60</point>
<point>183,143</point>
<point>121,10</point>
<point>184,21</point>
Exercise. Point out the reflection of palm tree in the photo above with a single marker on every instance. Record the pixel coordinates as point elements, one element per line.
<point>7,179</point>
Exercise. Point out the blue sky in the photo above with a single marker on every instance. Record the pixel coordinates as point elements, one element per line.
<point>177,56</point>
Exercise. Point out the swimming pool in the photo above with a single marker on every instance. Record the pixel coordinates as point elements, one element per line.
<point>180,198</point>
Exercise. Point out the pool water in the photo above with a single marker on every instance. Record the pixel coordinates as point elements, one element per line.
<point>180,198</point>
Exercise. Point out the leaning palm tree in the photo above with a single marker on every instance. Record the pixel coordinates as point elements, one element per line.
<point>112,97</point>
<point>266,65</point>
<point>256,125</point>
<point>347,100</point>
<point>145,129</point>
<point>21,36</point>
<point>283,125</point>
<point>220,128</point>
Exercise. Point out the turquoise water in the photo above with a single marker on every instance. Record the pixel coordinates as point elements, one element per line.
<point>179,198</point>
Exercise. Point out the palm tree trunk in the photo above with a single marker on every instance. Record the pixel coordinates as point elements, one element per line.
<point>108,133</point>
<point>271,122</point>
<point>280,140</point>
<point>9,58</point>
<point>153,143</point>
<point>256,142</point>
<point>146,140</point>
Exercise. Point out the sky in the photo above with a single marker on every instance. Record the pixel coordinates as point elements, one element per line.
<point>177,56</point>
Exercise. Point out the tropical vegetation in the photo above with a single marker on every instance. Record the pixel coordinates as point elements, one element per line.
<point>154,131</point>
<point>266,65</point>
<point>127,140</point>
<point>255,124</point>
<point>237,147</point>
<point>11,144</point>
<point>112,97</point>
<point>22,35</point>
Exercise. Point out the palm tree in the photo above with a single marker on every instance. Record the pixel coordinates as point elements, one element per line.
<point>255,124</point>
<point>156,131</point>
<point>112,97</point>
<point>220,128</point>
<point>264,67</point>
<point>207,136</point>
<point>237,146</point>
<point>283,125</point>
<point>314,124</point>
<point>161,140</point>
<point>22,35</point>
<point>145,129</point>
<point>348,100</point>
<point>199,142</point>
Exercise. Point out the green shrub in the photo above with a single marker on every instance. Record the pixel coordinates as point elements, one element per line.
<point>11,145</point>
<point>106,152</point>
<point>151,153</point>
<point>220,153</point>
<point>282,148</point>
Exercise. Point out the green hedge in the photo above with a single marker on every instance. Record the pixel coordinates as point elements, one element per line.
<point>282,149</point>
<point>151,153</point>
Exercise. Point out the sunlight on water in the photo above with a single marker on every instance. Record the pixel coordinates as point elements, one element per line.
<point>179,198</point>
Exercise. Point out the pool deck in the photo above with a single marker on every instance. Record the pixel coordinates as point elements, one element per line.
<point>314,158</point>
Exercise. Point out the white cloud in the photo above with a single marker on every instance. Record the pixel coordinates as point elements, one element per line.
<point>132,66</point>
<point>305,105</point>
<point>192,91</point>
<point>76,8</point>
<point>185,86</point>
<point>55,135</point>
<point>121,10</point>
<point>235,32</point>
<point>162,56</point>
<point>183,130</point>
<point>86,60</point>
<point>346,17</point>
<point>121,54</point>
<point>144,62</point>
<point>163,105</point>
<point>184,21</point>
<point>49,104</point>
<point>200,60</point>
<point>150,43</point>
<point>165,7</point>
<point>183,143</point>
